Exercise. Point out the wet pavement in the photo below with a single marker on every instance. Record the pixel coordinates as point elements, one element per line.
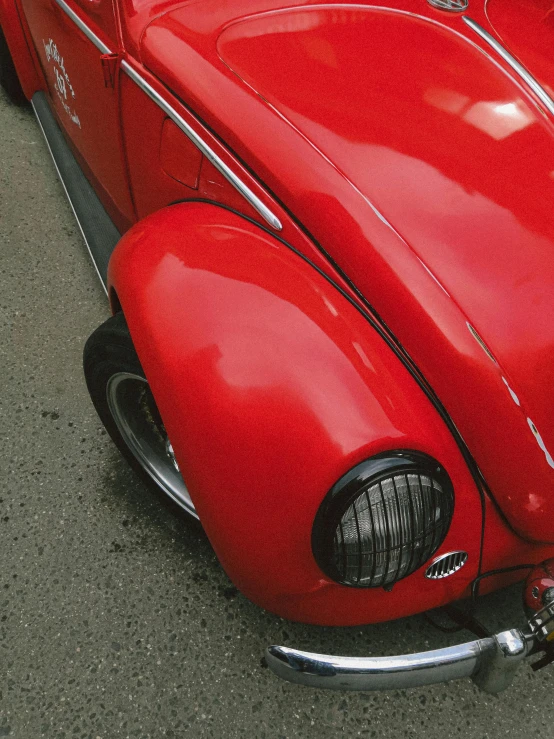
<point>115,618</point>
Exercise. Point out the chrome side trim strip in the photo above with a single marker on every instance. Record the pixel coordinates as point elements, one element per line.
<point>539,91</point>
<point>206,150</point>
<point>100,45</point>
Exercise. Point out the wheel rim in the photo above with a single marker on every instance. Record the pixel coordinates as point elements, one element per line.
<point>138,420</point>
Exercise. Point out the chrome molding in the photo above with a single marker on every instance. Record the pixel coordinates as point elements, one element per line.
<point>206,150</point>
<point>490,662</point>
<point>539,91</point>
<point>100,45</point>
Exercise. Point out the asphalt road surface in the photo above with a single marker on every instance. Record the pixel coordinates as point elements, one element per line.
<point>116,619</point>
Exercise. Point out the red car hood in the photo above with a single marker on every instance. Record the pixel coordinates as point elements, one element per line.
<point>427,172</point>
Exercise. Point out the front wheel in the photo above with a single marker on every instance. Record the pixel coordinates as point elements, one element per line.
<point>123,400</point>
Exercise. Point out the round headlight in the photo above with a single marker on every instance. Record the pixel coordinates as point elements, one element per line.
<point>383,520</point>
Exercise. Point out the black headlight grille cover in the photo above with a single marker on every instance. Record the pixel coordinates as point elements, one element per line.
<point>383,520</point>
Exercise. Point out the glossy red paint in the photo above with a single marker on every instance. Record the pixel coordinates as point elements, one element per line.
<point>526,28</point>
<point>264,350</point>
<point>179,157</point>
<point>539,582</point>
<point>152,186</point>
<point>426,177</point>
<point>11,23</point>
<point>86,109</point>
<point>101,14</point>
<point>391,170</point>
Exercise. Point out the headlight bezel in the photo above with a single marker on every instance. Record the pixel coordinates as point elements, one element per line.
<point>353,484</point>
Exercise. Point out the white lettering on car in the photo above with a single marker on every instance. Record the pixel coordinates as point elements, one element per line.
<point>62,85</point>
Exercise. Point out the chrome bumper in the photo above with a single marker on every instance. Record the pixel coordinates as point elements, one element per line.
<point>490,662</point>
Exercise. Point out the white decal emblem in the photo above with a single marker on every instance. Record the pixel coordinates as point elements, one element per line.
<point>63,85</point>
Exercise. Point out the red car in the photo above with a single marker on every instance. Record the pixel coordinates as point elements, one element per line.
<point>326,236</point>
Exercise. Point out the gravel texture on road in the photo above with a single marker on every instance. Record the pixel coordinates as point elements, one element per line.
<point>116,619</point>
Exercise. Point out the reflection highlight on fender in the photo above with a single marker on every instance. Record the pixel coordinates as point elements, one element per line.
<point>498,119</point>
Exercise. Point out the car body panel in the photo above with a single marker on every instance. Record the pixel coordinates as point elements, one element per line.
<point>526,28</point>
<point>403,187</point>
<point>266,351</point>
<point>86,108</point>
<point>334,397</point>
<point>14,30</point>
<point>393,207</point>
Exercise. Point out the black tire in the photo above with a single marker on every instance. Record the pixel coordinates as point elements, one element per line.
<point>123,400</point>
<point>9,80</point>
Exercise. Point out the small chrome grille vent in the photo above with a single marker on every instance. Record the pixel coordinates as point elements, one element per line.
<point>452,6</point>
<point>446,565</point>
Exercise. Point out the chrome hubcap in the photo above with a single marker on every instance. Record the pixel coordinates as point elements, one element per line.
<point>135,413</point>
<point>171,454</point>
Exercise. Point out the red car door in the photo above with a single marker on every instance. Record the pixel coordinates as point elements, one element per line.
<point>74,40</point>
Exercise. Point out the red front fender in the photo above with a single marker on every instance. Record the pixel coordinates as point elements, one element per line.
<point>272,385</point>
